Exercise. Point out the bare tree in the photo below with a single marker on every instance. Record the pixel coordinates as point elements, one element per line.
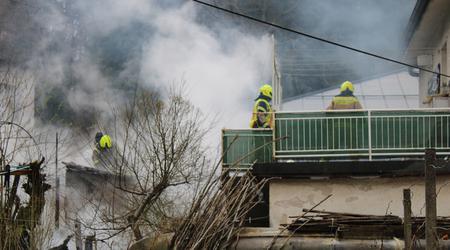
<point>20,155</point>
<point>158,155</point>
<point>160,158</point>
<point>218,212</point>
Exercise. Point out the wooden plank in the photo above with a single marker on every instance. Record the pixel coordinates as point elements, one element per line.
<point>339,213</point>
<point>407,227</point>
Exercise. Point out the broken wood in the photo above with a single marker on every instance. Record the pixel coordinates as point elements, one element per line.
<point>335,213</point>
<point>287,227</point>
<point>341,225</point>
<point>407,227</point>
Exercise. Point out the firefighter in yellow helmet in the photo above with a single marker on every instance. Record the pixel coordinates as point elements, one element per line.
<point>345,99</point>
<point>102,150</point>
<point>262,110</point>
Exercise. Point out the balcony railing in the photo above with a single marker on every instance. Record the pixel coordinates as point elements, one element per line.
<point>368,134</point>
<point>243,147</point>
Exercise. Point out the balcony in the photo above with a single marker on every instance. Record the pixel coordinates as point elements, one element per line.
<point>364,135</point>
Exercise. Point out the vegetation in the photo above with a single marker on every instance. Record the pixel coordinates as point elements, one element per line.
<point>20,157</point>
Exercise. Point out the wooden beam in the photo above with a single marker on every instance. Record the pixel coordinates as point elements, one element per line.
<point>407,227</point>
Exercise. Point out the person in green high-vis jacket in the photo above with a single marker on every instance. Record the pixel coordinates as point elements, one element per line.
<point>342,128</point>
<point>102,153</point>
<point>345,99</point>
<point>262,110</point>
<point>261,118</point>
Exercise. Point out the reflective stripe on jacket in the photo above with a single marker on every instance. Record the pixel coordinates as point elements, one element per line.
<point>345,102</point>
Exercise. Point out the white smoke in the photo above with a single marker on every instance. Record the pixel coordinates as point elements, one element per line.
<point>219,81</point>
<point>222,67</point>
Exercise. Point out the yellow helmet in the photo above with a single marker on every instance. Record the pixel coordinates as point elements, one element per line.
<point>347,85</point>
<point>105,142</point>
<point>266,90</point>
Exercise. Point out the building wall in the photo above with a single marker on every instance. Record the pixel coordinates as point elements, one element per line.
<point>376,196</point>
<point>440,55</point>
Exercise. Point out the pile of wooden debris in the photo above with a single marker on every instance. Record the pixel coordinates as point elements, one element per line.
<point>349,225</point>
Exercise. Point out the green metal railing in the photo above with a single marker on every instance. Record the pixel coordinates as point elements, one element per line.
<point>343,134</point>
<point>321,134</point>
<point>243,147</point>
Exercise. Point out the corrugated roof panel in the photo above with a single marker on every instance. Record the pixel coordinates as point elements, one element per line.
<point>408,84</point>
<point>373,102</point>
<point>371,87</point>
<point>293,105</point>
<point>413,101</point>
<point>314,103</point>
<point>396,102</point>
<point>390,85</point>
<point>398,90</point>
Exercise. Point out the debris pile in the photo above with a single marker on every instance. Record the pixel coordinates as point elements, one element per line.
<point>218,213</point>
<point>349,225</point>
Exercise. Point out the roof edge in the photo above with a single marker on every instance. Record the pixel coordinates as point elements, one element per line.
<point>414,20</point>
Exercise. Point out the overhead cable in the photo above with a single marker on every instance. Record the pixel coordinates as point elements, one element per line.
<point>316,37</point>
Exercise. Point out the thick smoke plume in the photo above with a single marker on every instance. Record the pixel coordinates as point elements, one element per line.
<point>94,54</point>
<point>89,56</point>
<point>310,65</point>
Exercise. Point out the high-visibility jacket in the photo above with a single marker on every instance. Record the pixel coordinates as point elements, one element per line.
<point>103,156</point>
<point>345,102</point>
<point>262,114</point>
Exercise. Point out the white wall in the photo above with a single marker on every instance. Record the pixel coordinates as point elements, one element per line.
<point>366,196</point>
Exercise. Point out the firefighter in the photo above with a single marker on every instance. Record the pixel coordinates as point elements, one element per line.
<point>101,155</point>
<point>262,110</point>
<point>345,99</point>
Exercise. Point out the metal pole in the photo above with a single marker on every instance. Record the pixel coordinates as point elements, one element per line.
<point>430,199</point>
<point>2,215</point>
<point>78,240</point>
<point>275,101</point>
<point>407,228</point>
<point>57,185</point>
<point>274,71</point>
<point>369,122</point>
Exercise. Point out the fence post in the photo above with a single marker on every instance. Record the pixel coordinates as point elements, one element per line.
<point>78,239</point>
<point>369,125</point>
<point>274,137</point>
<point>407,218</point>
<point>56,184</point>
<point>430,199</point>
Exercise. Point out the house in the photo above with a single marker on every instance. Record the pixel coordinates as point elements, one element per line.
<point>429,37</point>
<point>352,161</point>
<point>363,159</point>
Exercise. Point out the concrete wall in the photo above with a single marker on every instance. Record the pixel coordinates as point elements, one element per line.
<point>367,196</point>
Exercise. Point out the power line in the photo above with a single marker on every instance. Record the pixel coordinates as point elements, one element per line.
<point>316,38</point>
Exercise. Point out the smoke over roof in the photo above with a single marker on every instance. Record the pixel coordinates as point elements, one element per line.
<point>88,55</point>
<point>309,65</point>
